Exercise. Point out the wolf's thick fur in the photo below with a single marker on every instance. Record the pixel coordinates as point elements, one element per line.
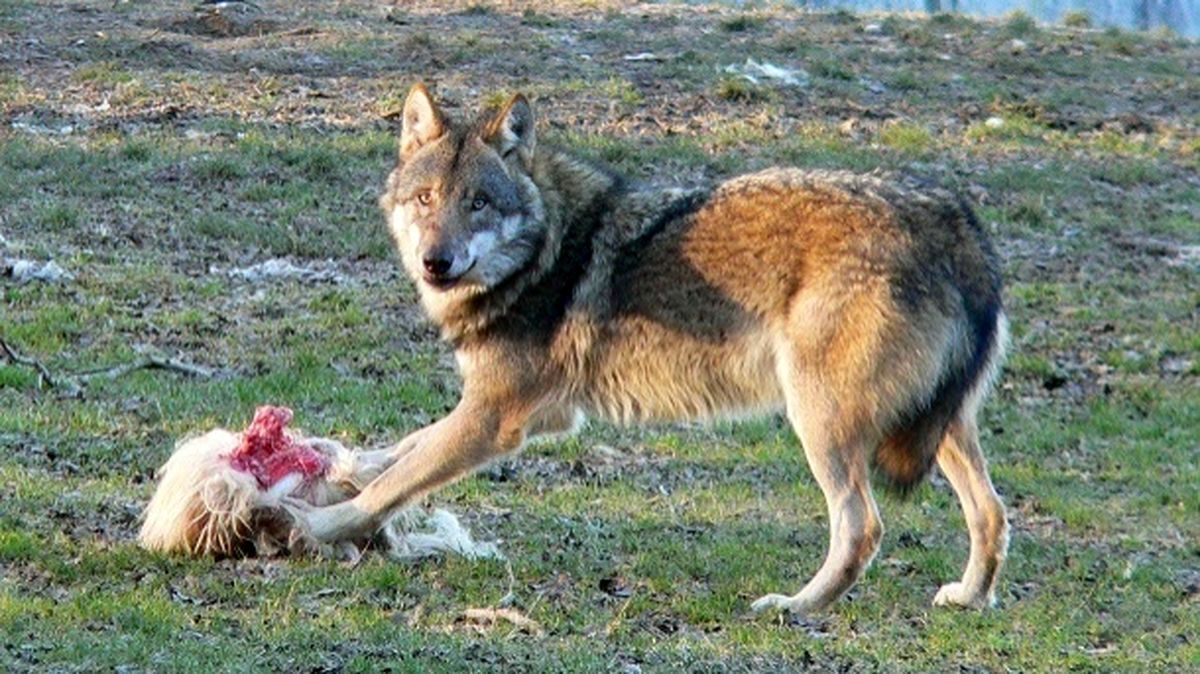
<point>866,307</point>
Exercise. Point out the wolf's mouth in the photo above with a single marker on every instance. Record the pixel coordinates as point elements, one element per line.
<point>444,282</point>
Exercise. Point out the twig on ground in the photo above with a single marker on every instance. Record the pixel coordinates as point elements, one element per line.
<point>509,598</point>
<point>503,610</point>
<point>302,31</point>
<point>146,363</point>
<point>70,384</point>
<point>489,617</point>
<point>44,377</point>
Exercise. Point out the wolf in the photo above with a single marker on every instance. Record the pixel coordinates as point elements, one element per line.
<point>866,308</point>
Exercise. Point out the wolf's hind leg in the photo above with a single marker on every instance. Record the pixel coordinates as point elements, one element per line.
<point>855,529</point>
<point>962,462</point>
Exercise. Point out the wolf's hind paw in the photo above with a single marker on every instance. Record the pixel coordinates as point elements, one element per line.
<point>956,594</point>
<point>781,602</point>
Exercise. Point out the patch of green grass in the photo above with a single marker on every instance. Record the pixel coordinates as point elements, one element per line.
<point>315,163</point>
<point>1018,177</point>
<point>531,17</point>
<point>11,87</point>
<point>831,69</point>
<point>137,150</point>
<point>906,137</point>
<point>58,217</point>
<point>907,80</point>
<point>621,90</point>
<point>391,103</point>
<point>1031,211</point>
<point>219,169</point>
<point>18,378</point>
<point>103,73</point>
<point>740,90</point>
<point>1019,24</point>
<point>819,146</point>
<point>497,99</point>
<point>1117,143</point>
<point>1008,128</point>
<point>355,54</point>
<point>636,158</point>
<point>1031,365</point>
<point>1118,42</point>
<point>739,133</point>
<point>891,24</point>
<point>476,9</point>
<point>953,21</point>
<point>1077,19</point>
<point>1128,173</point>
<point>742,23</point>
<point>920,36</point>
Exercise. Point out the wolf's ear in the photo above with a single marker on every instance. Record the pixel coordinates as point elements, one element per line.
<point>423,122</point>
<point>512,129</point>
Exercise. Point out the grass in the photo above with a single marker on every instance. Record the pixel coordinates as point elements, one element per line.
<point>742,23</point>
<point>1077,19</point>
<point>1119,42</point>
<point>176,170</point>
<point>1018,24</point>
<point>906,137</point>
<point>739,90</point>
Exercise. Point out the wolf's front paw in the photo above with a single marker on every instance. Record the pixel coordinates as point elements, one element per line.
<point>340,522</point>
<point>956,594</point>
<point>780,602</point>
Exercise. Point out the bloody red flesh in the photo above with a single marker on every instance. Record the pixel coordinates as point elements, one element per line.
<point>270,454</point>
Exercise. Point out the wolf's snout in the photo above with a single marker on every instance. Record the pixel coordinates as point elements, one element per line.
<point>437,263</point>
<point>443,266</point>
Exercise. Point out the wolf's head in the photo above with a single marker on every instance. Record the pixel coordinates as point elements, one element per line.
<point>461,205</point>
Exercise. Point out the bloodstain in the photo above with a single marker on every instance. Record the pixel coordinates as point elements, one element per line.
<point>270,454</point>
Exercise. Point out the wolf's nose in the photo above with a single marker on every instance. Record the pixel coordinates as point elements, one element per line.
<point>437,265</point>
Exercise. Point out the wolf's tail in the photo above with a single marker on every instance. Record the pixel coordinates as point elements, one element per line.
<point>910,446</point>
<point>908,452</point>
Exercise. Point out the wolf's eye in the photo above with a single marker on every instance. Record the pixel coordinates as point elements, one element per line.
<point>424,198</point>
<point>479,204</point>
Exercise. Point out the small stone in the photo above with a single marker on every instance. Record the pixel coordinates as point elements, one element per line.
<point>1018,46</point>
<point>994,122</point>
<point>1176,365</point>
<point>873,86</point>
<point>872,29</point>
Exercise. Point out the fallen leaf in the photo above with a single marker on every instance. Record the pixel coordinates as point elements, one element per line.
<point>488,617</point>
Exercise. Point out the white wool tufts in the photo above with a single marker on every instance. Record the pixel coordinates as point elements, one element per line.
<point>201,506</point>
<point>448,535</point>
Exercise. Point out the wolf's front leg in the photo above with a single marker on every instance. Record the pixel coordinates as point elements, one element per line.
<point>469,437</point>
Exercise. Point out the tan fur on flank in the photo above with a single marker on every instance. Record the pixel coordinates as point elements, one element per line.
<point>867,308</point>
